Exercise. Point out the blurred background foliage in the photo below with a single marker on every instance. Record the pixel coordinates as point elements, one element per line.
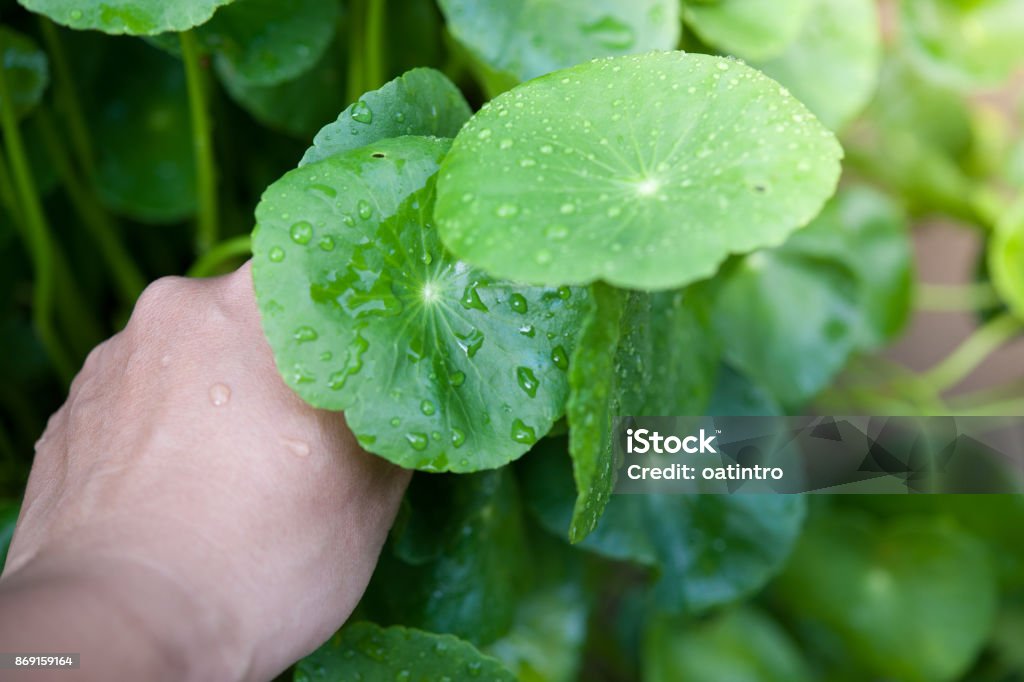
<point>129,157</point>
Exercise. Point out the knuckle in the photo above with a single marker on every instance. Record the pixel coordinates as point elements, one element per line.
<point>158,298</point>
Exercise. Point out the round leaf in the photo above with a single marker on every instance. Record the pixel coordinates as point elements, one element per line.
<point>644,171</point>
<point>26,68</point>
<point>135,17</point>
<point>364,651</point>
<point>833,65</point>
<point>436,365</point>
<point>529,38</point>
<point>420,102</point>
<point>747,28</point>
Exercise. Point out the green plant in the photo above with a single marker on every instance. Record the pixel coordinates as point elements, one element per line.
<point>530,217</point>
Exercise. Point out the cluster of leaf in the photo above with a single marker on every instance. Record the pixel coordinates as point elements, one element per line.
<point>615,231</point>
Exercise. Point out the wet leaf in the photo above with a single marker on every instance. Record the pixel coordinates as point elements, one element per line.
<point>26,69</point>
<point>529,38</point>
<point>135,17</point>
<point>747,28</point>
<point>420,102</point>
<point>436,365</point>
<point>661,166</point>
<point>365,651</point>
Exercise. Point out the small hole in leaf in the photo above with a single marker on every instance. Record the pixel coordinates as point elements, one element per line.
<point>759,189</point>
<point>378,155</point>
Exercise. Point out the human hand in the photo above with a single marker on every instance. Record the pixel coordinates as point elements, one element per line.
<point>191,505</point>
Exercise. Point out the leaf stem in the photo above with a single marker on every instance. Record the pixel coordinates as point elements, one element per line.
<point>210,262</point>
<point>356,37</point>
<point>96,220</point>
<point>206,174</point>
<point>37,236</point>
<point>972,352</point>
<point>955,297</point>
<point>66,98</point>
<point>374,76</point>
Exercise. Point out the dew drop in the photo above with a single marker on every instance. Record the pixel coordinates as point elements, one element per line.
<point>527,381</point>
<point>556,232</point>
<point>395,421</point>
<point>471,300</point>
<point>327,243</point>
<point>361,112</point>
<point>417,441</point>
<point>564,293</point>
<point>457,379</point>
<point>304,334</point>
<point>506,210</point>
<point>559,357</point>
<point>546,149</point>
<point>567,208</point>
<point>471,342</point>
<point>348,220</point>
<point>276,254</point>
<point>302,232</point>
<point>518,303</point>
<point>300,448</point>
<point>365,210</point>
<point>458,438</point>
<point>220,394</point>
<point>403,676</point>
<point>76,14</point>
<point>528,331</point>
<point>427,408</point>
<point>521,433</point>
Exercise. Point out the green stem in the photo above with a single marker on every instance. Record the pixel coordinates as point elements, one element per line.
<point>1013,407</point>
<point>972,352</point>
<point>955,297</point>
<point>211,262</point>
<point>206,174</point>
<point>374,77</point>
<point>97,221</point>
<point>355,34</point>
<point>37,236</point>
<point>66,97</point>
<point>8,197</point>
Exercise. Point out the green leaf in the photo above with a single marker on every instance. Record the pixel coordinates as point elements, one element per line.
<point>300,106</point>
<point>140,125</point>
<point>833,65</point>
<point>707,550</point>
<point>964,44</point>
<point>740,645</point>
<point>267,42</point>
<point>436,365</point>
<point>747,28</point>
<point>420,102</point>
<point>638,354</point>
<point>365,652</point>
<point>134,17</point>
<point>913,598</point>
<point>735,395</point>
<point>27,70</point>
<point>529,38</point>
<point>8,519</point>
<point>850,272</point>
<point>660,166</point>
<point>459,563</point>
<point>1006,259</point>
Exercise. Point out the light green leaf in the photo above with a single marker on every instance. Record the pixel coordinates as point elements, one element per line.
<point>790,317</point>
<point>367,652</point>
<point>638,354</point>
<point>644,171</point>
<point>140,124</point>
<point>529,38</point>
<point>459,556</point>
<point>747,28</point>
<point>135,17</point>
<point>833,65</point>
<point>437,366</point>
<point>707,550</point>
<point>964,43</point>
<point>1006,259</point>
<point>420,102</point>
<point>26,68</point>
<point>913,598</point>
<point>740,645</point>
<point>300,106</point>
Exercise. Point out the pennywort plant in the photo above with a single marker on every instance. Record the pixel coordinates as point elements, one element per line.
<point>530,217</point>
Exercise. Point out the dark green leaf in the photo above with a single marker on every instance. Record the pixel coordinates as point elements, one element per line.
<point>420,102</point>
<point>26,69</point>
<point>660,166</point>
<point>528,38</point>
<point>437,366</point>
<point>913,598</point>
<point>8,519</point>
<point>135,17</point>
<point>463,568</point>
<point>735,395</point>
<point>747,28</point>
<point>740,645</point>
<point>364,652</point>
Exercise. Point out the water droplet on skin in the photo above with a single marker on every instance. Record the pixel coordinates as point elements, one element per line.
<point>304,334</point>
<point>527,381</point>
<point>302,232</point>
<point>471,300</point>
<point>458,438</point>
<point>457,379</point>
<point>521,433</point>
<point>417,441</point>
<point>220,394</point>
<point>276,254</point>
<point>361,112</point>
<point>559,357</point>
<point>518,303</point>
<point>299,448</point>
<point>365,210</point>
<point>427,408</point>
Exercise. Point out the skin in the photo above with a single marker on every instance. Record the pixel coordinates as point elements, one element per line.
<point>187,516</point>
